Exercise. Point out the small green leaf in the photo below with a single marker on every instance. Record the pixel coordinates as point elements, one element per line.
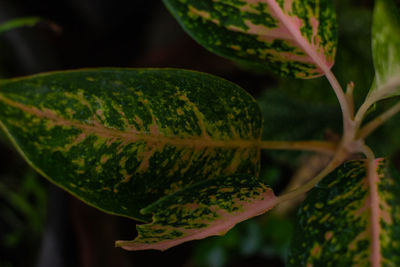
<point>294,38</point>
<point>19,23</point>
<point>351,218</point>
<point>211,207</point>
<point>120,139</point>
<point>386,49</point>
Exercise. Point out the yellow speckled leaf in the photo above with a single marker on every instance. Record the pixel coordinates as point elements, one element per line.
<point>120,139</point>
<point>351,218</point>
<point>294,38</point>
<point>211,207</point>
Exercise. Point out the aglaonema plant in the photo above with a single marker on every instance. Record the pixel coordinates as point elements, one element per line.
<point>180,150</point>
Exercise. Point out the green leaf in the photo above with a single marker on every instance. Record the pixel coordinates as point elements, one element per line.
<point>283,112</point>
<point>353,39</point>
<point>120,139</point>
<point>19,23</point>
<point>294,38</point>
<point>211,207</point>
<point>386,49</point>
<point>351,218</point>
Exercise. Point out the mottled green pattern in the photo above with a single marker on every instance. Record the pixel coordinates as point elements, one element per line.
<point>334,222</point>
<point>210,207</point>
<point>386,48</point>
<point>18,23</point>
<point>247,31</point>
<point>120,139</point>
<point>389,193</point>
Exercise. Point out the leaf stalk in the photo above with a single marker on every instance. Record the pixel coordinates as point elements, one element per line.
<point>336,161</point>
<point>347,115</point>
<point>317,146</point>
<point>378,121</point>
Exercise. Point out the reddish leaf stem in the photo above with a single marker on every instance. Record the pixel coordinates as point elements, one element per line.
<point>336,161</point>
<point>317,146</point>
<point>378,121</point>
<point>344,104</point>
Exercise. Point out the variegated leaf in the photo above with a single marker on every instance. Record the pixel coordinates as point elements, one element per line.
<point>386,49</point>
<point>351,218</point>
<point>18,23</point>
<point>211,207</point>
<point>120,139</point>
<point>292,37</point>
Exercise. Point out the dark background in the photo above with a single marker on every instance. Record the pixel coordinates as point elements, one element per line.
<point>43,226</point>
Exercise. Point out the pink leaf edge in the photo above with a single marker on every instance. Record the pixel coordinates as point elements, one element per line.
<point>217,228</point>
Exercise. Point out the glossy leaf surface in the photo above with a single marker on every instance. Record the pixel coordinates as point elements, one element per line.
<point>211,207</point>
<point>120,139</point>
<point>18,23</point>
<point>294,37</point>
<point>386,49</point>
<point>351,218</point>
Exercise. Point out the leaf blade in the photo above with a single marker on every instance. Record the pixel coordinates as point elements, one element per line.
<point>386,49</point>
<point>293,38</point>
<point>119,139</point>
<point>336,222</point>
<point>211,207</point>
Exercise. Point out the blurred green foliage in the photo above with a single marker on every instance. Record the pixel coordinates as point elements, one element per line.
<point>267,237</point>
<point>23,204</point>
<point>23,200</point>
<point>287,118</point>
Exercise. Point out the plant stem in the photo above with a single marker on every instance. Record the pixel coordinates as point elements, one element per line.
<point>362,111</point>
<point>344,105</point>
<point>378,121</point>
<point>350,98</point>
<point>369,154</point>
<point>374,97</point>
<point>317,146</point>
<point>338,159</point>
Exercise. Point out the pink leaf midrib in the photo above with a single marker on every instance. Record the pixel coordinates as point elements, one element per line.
<point>297,37</point>
<point>373,180</point>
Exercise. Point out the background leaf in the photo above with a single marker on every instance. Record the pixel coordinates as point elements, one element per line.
<point>18,23</point>
<point>282,113</point>
<point>121,139</point>
<point>334,222</point>
<point>386,49</point>
<point>249,243</point>
<point>211,207</point>
<point>255,33</point>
